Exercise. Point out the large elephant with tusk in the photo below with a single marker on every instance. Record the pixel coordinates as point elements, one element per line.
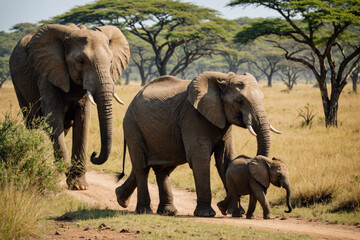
<point>172,122</point>
<point>58,71</point>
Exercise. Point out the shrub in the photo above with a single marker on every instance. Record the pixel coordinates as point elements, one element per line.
<point>26,155</point>
<point>306,113</point>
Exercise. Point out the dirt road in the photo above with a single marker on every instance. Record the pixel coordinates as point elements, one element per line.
<point>102,192</point>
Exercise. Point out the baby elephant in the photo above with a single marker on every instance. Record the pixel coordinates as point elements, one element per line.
<point>253,176</point>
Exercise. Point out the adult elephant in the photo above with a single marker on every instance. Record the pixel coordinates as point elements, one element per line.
<point>172,121</point>
<point>57,71</point>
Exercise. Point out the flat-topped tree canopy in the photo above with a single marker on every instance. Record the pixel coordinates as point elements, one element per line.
<point>165,24</point>
<point>327,30</point>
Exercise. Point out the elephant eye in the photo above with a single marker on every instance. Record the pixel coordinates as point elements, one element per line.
<point>80,60</point>
<point>279,175</point>
<point>240,85</point>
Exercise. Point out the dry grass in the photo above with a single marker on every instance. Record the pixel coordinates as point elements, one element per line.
<point>20,211</point>
<point>323,163</point>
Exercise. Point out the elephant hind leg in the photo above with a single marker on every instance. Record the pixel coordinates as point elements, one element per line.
<point>166,205</point>
<point>143,201</point>
<point>124,192</point>
<point>224,205</point>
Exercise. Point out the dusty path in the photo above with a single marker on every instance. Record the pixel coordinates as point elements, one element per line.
<point>102,192</point>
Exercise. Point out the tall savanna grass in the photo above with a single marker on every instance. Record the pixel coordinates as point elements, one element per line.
<point>323,162</point>
<point>27,172</point>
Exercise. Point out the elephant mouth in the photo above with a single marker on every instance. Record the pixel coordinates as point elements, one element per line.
<point>241,120</point>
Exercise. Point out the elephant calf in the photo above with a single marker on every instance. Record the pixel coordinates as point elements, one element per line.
<point>253,176</point>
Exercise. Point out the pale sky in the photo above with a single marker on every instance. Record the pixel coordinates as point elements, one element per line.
<point>32,11</point>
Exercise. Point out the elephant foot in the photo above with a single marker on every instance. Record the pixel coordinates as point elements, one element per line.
<point>143,210</point>
<point>222,207</point>
<point>236,215</point>
<point>122,198</point>
<point>242,210</point>
<point>167,210</point>
<point>267,216</point>
<point>76,181</point>
<point>204,211</point>
<point>249,216</point>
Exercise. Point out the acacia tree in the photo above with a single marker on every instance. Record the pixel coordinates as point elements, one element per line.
<point>268,64</point>
<point>165,24</point>
<point>142,57</point>
<point>235,54</point>
<point>290,74</point>
<point>320,31</point>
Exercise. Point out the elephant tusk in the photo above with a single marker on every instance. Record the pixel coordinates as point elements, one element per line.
<point>118,99</point>
<point>91,98</point>
<point>251,130</point>
<point>274,130</point>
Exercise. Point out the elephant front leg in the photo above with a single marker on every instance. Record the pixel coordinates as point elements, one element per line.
<point>201,170</point>
<point>76,175</point>
<point>166,205</point>
<point>260,195</point>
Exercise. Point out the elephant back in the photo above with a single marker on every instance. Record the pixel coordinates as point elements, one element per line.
<point>165,87</point>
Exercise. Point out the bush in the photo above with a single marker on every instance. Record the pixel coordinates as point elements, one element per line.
<point>26,155</point>
<point>306,113</point>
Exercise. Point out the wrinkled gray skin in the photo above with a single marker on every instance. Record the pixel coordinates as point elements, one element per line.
<point>172,122</point>
<point>53,68</point>
<point>246,176</point>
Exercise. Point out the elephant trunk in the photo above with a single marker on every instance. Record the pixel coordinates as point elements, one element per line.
<point>262,129</point>
<point>288,193</point>
<point>104,106</point>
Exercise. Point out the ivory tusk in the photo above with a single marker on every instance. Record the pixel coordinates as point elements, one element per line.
<point>118,99</point>
<point>91,98</point>
<point>251,130</point>
<point>274,130</point>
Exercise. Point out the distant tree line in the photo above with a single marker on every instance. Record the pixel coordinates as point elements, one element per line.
<point>315,41</point>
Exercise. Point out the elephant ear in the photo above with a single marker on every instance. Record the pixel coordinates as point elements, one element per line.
<point>120,49</point>
<point>204,94</point>
<point>46,52</point>
<point>259,170</point>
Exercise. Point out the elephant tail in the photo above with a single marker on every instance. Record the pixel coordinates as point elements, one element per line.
<point>119,175</point>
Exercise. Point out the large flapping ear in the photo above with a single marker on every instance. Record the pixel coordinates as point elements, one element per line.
<point>204,94</point>
<point>259,169</point>
<point>46,52</point>
<point>120,48</point>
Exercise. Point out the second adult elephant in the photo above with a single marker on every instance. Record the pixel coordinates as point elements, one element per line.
<point>172,121</point>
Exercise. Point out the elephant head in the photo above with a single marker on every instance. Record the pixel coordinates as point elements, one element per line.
<point>235,99</point>
<point>266,171</point>
<point>92,59</point>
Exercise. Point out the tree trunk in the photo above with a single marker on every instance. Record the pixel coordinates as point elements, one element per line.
<point>354,78</point>
<point>2,82</point>
<point>331,108</point>
<point>269,77</point>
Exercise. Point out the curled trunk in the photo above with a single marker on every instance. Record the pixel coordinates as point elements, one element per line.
<point>104,106</point>
<point>288,203</point>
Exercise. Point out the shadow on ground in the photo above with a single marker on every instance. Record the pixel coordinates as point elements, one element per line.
<point>86,214</point>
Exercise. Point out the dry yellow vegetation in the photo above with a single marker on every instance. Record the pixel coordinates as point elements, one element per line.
<point>323,162</point>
